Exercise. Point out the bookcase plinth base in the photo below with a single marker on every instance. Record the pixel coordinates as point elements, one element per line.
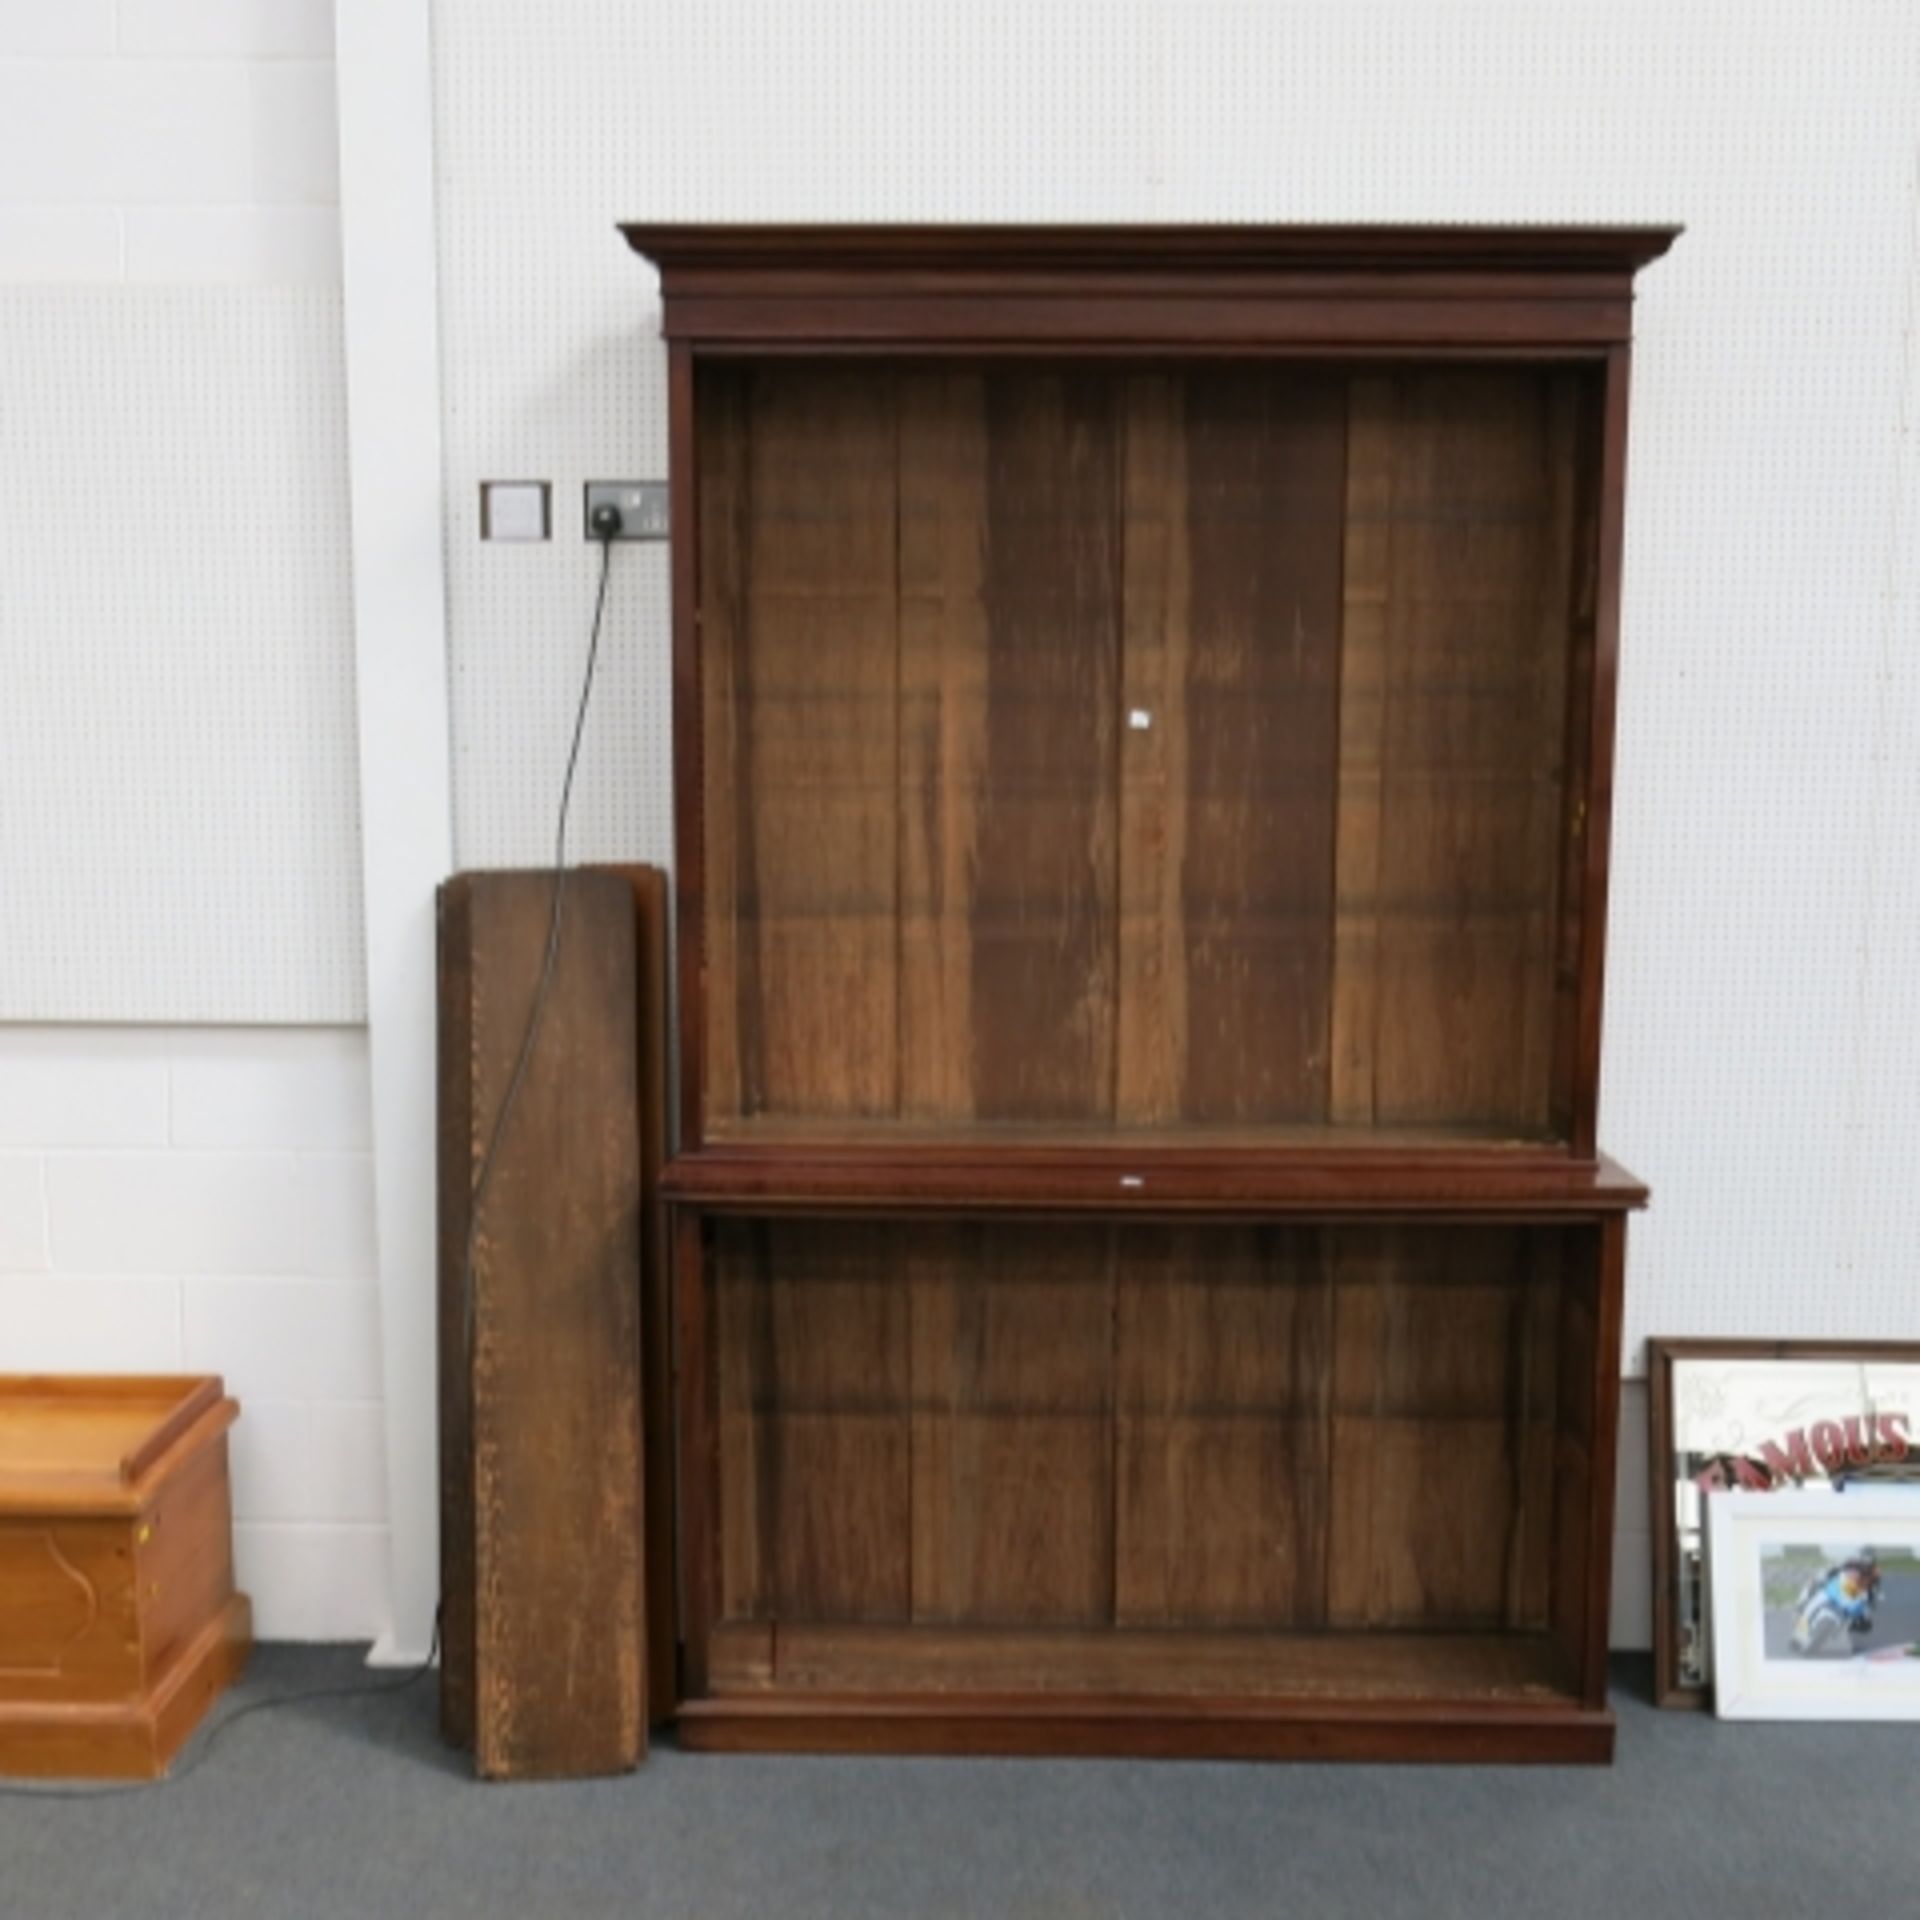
<point>1567,1735</point>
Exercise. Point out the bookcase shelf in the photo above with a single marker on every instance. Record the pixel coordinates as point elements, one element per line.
<point>1145,1278</point>
<point>975,1177</point>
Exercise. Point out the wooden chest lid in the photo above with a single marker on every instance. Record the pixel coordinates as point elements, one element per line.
<point>96,1444</point>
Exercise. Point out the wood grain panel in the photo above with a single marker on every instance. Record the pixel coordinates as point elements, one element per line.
<point>69,1607</point>
<point>1581,1469</point>
<point>85,1443</point>
<point>1540,1730</point>
<point>183,1559</point>
<point>1044,960</point>
<point>992,1429</point>
<point>942,731</point>
<point>806,712</point>
<point>813,1421</point>
<point>1573,1109</point>
<point>653,1076</point>
<point>720,987</point>
<point>1443,1397</point>
<point>698,1463</point>
<point>1151,1011</point>
<point>540,1356</point>
<point>1442,1518</point>
<point>1013,1435</point>
<point>1562,650</point>
<point>1472,742</point>
<point>456,1125</point>
<point>1533,1388</point>
<point>1223,1348</point>
<point>1355,988</point>
<point>134,1737</point>
<point>948,882</point>
<point>1265,459</point>
<point>1212,1664</point>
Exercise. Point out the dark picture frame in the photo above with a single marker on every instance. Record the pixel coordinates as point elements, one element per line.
<point>1672,1687</point>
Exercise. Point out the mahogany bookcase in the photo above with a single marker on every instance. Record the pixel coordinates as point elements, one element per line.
<point>1144,1279</point>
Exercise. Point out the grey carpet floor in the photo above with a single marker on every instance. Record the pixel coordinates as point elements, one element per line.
<point>353,1809</point>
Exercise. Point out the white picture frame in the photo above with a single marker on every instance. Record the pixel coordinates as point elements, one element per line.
<point>1780,1593</point>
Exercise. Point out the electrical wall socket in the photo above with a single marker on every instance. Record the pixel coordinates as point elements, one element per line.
<point>642,505</point>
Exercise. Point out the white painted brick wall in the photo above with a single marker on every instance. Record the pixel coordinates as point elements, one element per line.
<point>188,1198</point>
<point>202,1200</point>
<point>56,26</point>
<point>164,141</point>
<point>257,29</point>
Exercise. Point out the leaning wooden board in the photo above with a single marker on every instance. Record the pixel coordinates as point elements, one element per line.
<point>650,917</point>
<point>119,1623</point>
<point>542,1544</point>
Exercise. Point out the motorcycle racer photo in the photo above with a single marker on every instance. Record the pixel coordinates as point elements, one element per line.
<point>1837,1604</point>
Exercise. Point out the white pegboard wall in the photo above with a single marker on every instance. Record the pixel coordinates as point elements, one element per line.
<point>1762,1060</point>
<point>179,823</point>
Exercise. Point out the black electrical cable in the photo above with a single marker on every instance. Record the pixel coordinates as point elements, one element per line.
<point>539,1004</point>
<point>211,1736</point>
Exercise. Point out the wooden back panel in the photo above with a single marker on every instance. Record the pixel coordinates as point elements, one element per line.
<point>1024,1426</point>
<point>1138,747</point>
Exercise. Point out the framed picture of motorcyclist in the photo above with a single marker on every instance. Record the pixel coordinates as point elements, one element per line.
<point>1815,1602</point>
<point>1768,1417</point>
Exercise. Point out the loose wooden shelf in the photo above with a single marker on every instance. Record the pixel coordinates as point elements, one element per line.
<point>1145,1278</point>
<point>784,1134</point>
<point>554,1354</point>
<point>1462,1696</point>
<point>884,1662</point>
<point>1144,1182</point>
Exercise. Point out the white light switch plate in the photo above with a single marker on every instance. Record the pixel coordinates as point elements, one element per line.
<point>515,510</point>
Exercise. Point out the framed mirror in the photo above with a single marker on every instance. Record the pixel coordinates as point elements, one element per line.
<point>1764,1415</point>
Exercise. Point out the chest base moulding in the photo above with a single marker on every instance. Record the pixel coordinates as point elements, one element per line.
<point>119,1622</point>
